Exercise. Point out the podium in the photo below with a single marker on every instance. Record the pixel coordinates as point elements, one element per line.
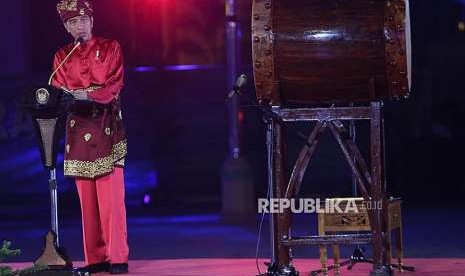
<point>48,107</point>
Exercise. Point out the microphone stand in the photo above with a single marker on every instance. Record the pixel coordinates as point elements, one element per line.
<point>269,117</point>
<point>79,41</point>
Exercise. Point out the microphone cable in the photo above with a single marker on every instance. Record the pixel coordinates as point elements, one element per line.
<point>257,249</point>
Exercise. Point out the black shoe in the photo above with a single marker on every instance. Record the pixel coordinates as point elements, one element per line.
<point>95,268</point>
<point>119,268</point>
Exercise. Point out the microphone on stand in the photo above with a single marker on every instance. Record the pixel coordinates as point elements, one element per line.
<point>79,41</point>
<point>241,81</point>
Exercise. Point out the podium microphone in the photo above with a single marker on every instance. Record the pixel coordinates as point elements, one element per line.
<point>79,41</point>
<point>241,81</point>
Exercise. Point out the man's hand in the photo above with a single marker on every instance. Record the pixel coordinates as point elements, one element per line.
<point>66,90</point>
<point>80,95</point>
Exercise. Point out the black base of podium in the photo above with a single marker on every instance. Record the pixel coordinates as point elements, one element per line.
<point>59,272</point>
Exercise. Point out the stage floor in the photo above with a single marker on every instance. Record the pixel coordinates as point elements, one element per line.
<point>205,245</point>
<point>247,267</point>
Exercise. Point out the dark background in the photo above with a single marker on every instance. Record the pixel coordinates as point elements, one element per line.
<point>176,116</point>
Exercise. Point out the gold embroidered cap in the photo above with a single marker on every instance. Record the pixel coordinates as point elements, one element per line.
<point>71,8</point>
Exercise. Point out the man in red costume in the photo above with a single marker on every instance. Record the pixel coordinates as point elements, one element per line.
<point>95,136</point>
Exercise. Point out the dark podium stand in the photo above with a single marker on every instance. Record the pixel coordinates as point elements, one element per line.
<point>48,107</point>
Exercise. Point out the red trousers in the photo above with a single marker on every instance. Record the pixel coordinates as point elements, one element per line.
<point>104,218</point>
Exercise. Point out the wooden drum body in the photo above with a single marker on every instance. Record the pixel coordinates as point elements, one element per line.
<point>330,51</point>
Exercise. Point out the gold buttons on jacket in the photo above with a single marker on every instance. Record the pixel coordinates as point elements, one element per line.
<point>67,148</point>
<point>87,137</point>
<point>107,131</point>
<point>72,123</point>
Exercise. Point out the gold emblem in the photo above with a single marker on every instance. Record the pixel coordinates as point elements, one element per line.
<point>67,148</point>
<point>87,137</point>
<point>72,123</point>
<point>107,131</point>
<point>42,96</point>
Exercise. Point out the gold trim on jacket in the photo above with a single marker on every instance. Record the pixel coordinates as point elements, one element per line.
<point>89,169</point>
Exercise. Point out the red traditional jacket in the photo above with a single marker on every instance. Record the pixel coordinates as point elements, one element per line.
<point>95,135</point>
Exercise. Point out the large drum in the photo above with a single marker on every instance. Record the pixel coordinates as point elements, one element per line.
<point>331,51</point>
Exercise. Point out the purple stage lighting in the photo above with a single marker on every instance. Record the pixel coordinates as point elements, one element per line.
<point>147,199</point>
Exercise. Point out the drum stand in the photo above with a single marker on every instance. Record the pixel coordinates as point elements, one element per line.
<point>282,188</point>
<point>358,255</point>
<point>273,268</point>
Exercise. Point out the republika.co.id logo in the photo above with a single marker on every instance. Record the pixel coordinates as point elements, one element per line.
<point>312,205</point>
